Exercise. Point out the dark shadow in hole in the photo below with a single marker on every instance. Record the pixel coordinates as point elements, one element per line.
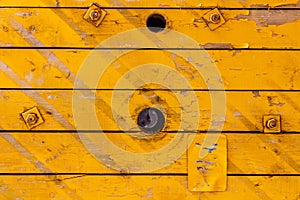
<point>156,23</point>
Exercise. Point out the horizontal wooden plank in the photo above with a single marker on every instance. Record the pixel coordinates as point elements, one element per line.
<point>158,3</point>
<point>243,29</point>
<point>65,153</point>
<point>272,70</point>
<point>244,110</point>
<point>145,187</point>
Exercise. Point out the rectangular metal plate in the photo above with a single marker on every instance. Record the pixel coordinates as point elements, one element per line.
<point>210,172</point>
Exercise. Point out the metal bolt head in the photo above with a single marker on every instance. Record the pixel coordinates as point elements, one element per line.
<point>271,123</point>
<point>32,118</point>
<point>215,18</point>
<point>95,15</point>
<point>151,120</point>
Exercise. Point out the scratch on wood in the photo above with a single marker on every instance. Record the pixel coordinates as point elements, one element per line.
<point>51,58</point>
<point>218,46</point>
<point>57,3</point>
<point>67,178</point>
<point>293,77</point>
<point>38,164</point>
<point>274,102</point>
<point>149,194</point>
<point>255,93</point>
<point>34,95</point>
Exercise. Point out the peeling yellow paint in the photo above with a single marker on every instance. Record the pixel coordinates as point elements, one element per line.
<point>42,50</point>
<point>158,3</point>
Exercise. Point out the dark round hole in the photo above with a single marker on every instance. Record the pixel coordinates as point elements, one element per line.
<point>156,23</point>
<point>151,120</point>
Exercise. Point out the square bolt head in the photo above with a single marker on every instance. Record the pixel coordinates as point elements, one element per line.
<point>32,117</point>
<point>213,19</point>
<point>272,123</point>
<point>95,14</point>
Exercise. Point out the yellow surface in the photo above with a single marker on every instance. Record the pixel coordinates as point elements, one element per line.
<point>251,51</point>
<point>144,187</point>
<point>278,154</point>
<point>66,28</point>
<point>246,114</point>
<point>274,73</point>
<point>158,3</point>
<point>210,172</point>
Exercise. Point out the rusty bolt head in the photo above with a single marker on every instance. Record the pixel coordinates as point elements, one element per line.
<point>95,15</point>
<point>31,118</point>
<point>215,18</point>
<point>271,123</point>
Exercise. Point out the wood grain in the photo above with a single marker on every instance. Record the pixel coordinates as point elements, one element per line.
<point>157,3</point>
<point>145,187</point>
<point>43,45</point>
<point>237,69</point>
<point>243,29</point>
<point>244,110</point>
<point>45,153</point>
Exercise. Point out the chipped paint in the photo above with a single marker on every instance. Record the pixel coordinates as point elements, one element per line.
<point>245,73</point>
<point>271,17</point>
<point>218,46</point>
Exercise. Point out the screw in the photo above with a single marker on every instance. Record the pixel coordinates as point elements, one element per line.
<point>32,118</point>
<point>95,15</point>
<point>215,18</point>
<point>271,123</point>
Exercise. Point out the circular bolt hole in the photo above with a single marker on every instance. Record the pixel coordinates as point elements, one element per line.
<point>271,123</point>
<point>156,23</point>
<point>215,18</point>
<point>151,120</point>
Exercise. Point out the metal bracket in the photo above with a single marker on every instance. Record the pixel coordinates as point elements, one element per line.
<point>214,19</point>
<point>95,14</point>
<point>208,173</point>
<point>272,123</point>
<point>32,117</point>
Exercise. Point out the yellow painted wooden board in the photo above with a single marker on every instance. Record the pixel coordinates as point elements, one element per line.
<point>45,153</point>
<point>268,72</point>
<point>260,166</point>
<point>243,29</point>
<point>158,3</point>
<point>244,110</point>
<point>144,187</point>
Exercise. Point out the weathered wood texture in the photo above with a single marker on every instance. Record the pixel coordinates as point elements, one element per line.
<point>243,29</point>
<point>42,51</point>
<point>158,3</point>
<point>144,187</point>
<point>238,71</point>
<point>244,110</point>
<point>45,153</point>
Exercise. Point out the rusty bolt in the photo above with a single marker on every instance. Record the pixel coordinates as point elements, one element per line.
<point>215,18</point>
<point>271,123</point>
<point>32,118</point>
<point>95,15</point>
